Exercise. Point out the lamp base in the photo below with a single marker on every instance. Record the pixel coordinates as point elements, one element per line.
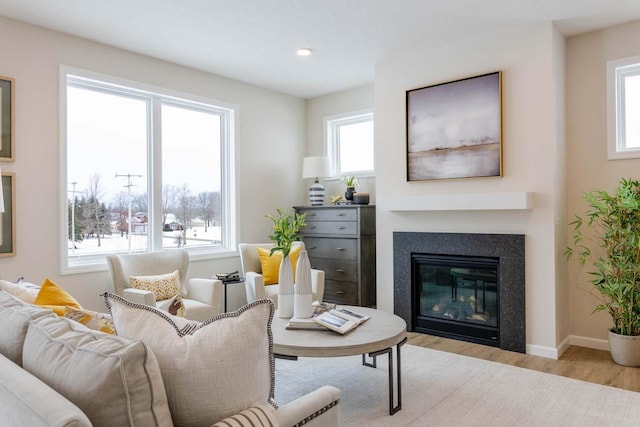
<point>316,194</point>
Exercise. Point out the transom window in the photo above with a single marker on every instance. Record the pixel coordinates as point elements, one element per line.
<point>623,108</point>
<point>143,170</point>
<point>349,139</point>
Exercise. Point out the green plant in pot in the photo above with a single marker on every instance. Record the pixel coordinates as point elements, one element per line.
<point>286,227</point>
<point>351,182</point>
<point>612,244</point>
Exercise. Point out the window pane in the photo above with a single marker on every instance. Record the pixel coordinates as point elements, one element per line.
<point>632,111</point>
<point>106,139</point>
<point>356,147</point>
<point>191,177</point>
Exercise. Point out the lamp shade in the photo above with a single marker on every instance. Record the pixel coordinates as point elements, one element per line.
<point>316,167</point>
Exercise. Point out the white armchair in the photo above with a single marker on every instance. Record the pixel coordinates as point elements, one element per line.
<point>254,282</point>
<point>202,298</point>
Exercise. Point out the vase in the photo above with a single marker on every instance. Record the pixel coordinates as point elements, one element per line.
<point>303,297</point>
<point>285,288</point>
<point>349,193</point>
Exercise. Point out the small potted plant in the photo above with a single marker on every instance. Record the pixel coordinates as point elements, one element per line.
<point>613,221</point>
<point>351,182</point>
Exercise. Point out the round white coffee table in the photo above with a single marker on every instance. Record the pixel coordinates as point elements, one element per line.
<point>375,337</point>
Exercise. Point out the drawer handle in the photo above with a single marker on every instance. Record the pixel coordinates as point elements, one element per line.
<point>312,227</point>
<point>342,228</point>
<point>339,292</point>
<point>339,270</point>
<point>339,249</point>
<point>341,214</point>
<point>311,247</point>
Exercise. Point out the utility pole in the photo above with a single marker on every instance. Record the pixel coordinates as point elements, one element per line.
<point>73,215</point>
<point>128,186</point>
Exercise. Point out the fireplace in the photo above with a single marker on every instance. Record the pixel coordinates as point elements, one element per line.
<point>463,286</point>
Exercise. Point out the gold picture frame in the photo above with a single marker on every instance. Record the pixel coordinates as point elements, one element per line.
<point>8,217</point>
<point>7,119</point>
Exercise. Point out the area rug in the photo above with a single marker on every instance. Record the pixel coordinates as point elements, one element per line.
<point>444,389</point>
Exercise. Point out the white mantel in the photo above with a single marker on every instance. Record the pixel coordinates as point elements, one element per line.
<point>458,202</point>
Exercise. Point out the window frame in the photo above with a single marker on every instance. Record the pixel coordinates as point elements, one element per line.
<point>331,137</point>
<point>617,70</point>
<point>156,97</point>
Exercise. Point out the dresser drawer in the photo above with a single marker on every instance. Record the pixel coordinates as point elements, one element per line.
<point>340,292</point>
<point>330,214</point>
<point>341,228</point>
<point>336,269</point>
<point>318,247</point>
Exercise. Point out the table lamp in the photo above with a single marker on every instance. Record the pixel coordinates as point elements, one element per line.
<point>316,167</point>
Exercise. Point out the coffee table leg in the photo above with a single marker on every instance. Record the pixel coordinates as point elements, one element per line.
<point>389,351</point>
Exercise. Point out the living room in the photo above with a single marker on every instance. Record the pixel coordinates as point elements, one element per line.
<point>554,146</point>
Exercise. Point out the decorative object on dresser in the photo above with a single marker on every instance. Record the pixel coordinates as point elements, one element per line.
<point>316,167</point>
<point>351,182</point>
<point>341,240</point>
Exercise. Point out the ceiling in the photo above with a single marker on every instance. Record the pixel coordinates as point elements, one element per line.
<point>254,41</point>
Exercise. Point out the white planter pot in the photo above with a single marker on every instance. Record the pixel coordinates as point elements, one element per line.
<point>285,289</point>
<point>303,293</point>
<point>625,349</point>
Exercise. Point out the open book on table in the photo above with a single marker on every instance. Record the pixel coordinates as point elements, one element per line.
<point>340,320</point>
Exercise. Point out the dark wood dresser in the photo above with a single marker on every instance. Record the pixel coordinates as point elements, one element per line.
<point>341,240</point>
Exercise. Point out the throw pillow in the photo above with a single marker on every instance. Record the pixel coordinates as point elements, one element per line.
<point>54,297</point>
<point>15,316</point>
<point>114,381</point>
<point>176,306</point>
<point>20,289</point>
<point>211,370</point>
<point>91,319</point>
<point>164,286</point>
<point>261,415</point>
<point>271,263</point>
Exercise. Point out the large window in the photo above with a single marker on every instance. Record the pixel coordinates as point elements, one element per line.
<point>143,169</point>
<point>350,143</point>
<point>623,108</point>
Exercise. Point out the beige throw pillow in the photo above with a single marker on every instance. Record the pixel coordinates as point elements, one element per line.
<point>211,370</point>
<point>164,286</point>
<point>20,290</point>
<point>114,381</point>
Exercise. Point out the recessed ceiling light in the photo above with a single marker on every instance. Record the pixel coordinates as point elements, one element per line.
<point>303,51</point>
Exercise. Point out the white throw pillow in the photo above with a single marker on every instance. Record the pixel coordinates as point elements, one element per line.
<point>211,370</point>
<point>26,292</point>
<point>114,381</point>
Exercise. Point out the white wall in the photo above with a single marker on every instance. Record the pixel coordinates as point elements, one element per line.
<point>269,151</point>
<point>587,164</point>
<point>359,98</point>
<point>531,140</point>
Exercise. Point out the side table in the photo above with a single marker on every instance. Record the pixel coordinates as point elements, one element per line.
<point>228,282</point>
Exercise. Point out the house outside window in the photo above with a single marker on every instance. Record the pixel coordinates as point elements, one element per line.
<point>143,169</point>
<point>349,139</point>
<point>623,108</point>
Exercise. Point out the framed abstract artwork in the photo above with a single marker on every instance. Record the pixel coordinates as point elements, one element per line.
<point>454,129</point>
<point>8,215</point>
<point>7,121</point>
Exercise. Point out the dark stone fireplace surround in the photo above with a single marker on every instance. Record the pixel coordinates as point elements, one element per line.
<point>509,248</point>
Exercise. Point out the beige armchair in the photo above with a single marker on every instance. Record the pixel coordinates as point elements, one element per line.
<point>202,298</point>
<point>254,282</point>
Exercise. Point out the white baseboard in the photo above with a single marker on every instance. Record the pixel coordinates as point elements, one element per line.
<point>555,353</point>
<point>598,344</point>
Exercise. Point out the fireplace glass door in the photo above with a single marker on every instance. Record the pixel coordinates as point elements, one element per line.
<point>457,297</point>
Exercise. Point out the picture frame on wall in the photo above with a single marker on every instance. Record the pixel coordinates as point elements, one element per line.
<point>7,121</point>
<point>8,217</point>
<point>454,129</point>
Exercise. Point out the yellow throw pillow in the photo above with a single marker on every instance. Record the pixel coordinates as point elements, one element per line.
<point>54,297</point>
<point>164,286</point>
<point>91,319</point>
<point>271,264</point>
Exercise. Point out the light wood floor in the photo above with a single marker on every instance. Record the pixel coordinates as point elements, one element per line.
<point>580,363</point>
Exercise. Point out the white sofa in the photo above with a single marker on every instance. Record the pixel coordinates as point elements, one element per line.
<point>57,372</point>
